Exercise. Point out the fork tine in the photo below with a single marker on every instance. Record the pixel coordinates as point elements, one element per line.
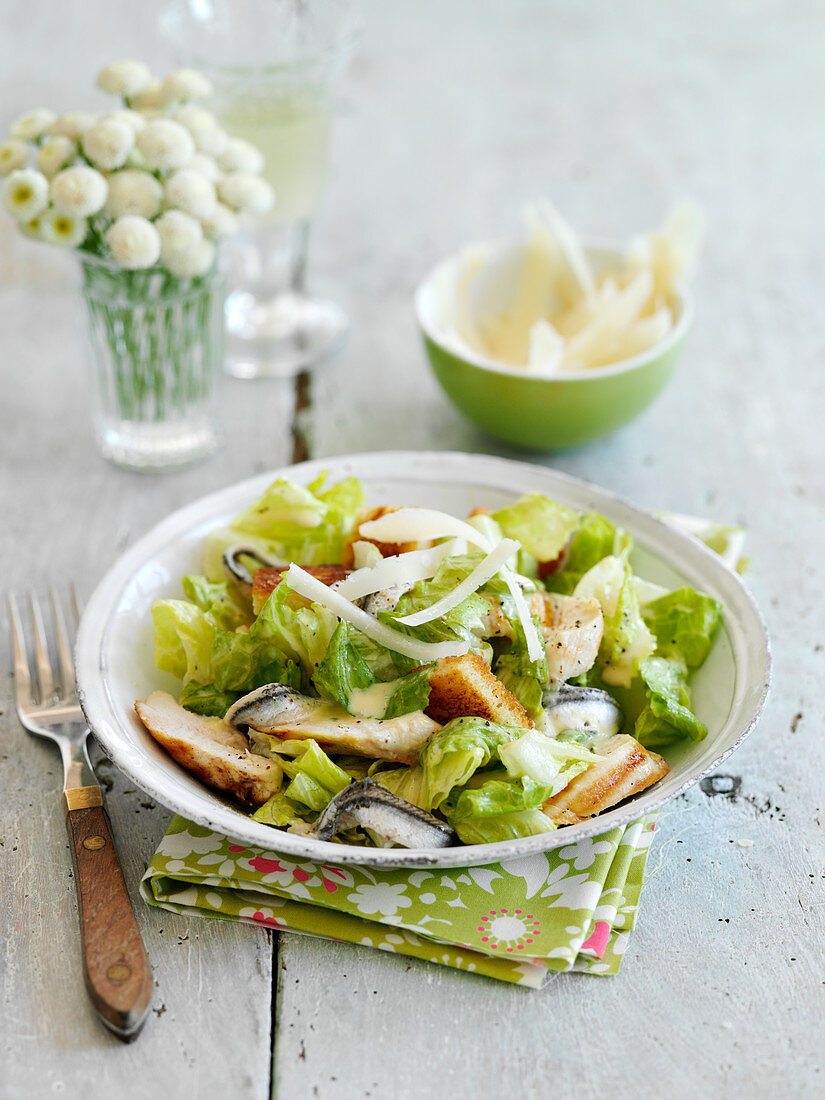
<point>64,650</point>
<point>41,652</point>
<point>22,679</point>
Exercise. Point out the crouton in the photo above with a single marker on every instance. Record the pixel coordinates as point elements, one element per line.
<point>266,581</point>
<point>465,686</point>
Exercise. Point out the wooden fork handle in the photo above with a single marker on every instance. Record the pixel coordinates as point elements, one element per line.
<point>115,964</point>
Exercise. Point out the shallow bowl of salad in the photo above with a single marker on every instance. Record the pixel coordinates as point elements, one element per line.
<point>418,659</point>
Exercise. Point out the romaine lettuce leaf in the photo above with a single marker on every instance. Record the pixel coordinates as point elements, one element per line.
<point>315,777</point>
<point>498,796</point>
<point>411,694</point>
<point>289,522</point>
<point>488,830</point>
<point>281,811</point>
<point>521,676</point>
<point>626,640</point>
<point>595,538</point>
<point>541,525</point>
<point>457,750</point>
<point>191,647</point>
<point>667,715</point>
<point>406,782</point>
<point>302,633</point>
<point>544,759</point>
<point>683,622</point>
<point>342,669</point>
<point>223,606</point>
<point>207,699</point>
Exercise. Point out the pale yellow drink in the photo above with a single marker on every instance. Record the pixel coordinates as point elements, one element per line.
<point>291,127</point>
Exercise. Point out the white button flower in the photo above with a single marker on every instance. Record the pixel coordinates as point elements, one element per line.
<point>206,166</point>
<point>108,143</point>
<point>245,193</point>
<point>73,124</point>
<point>242,156</point>
<point>152,98</point>
<point>25,194</point>
<point>30,126</point>
<point>62,229</point>
<point>166,144</point>
<point>79,190</point>
<point>134,242</point>
<point>132,118</point>
<point>192,193</point>
<point>124,78</point>
<point>178,233</point>
<point>133,192</point>
<point>55,154</point>
<point>204,128</point>
<point>186,84</point>
<point>13,154</point>
<point>223,223</point>
<point>196,261</point>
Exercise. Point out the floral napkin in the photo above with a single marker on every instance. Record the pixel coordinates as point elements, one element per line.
<point>519,921</point>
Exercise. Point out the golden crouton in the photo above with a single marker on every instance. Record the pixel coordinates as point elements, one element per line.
<point>465,686</point>
<point>387,549</point>
<point>266,580</point>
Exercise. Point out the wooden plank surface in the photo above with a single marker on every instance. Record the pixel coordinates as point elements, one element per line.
<point>456,112</point>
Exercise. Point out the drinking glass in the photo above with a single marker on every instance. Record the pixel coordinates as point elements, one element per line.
<point>275,66</point>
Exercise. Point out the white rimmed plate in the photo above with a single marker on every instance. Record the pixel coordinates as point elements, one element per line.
<point>114,655</point>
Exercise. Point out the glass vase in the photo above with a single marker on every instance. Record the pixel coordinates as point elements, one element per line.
<point>157,344</point>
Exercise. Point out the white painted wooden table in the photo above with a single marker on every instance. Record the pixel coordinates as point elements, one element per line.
<point>454,113</point>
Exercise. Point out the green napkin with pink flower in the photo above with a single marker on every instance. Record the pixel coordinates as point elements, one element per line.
<point>519,921</point>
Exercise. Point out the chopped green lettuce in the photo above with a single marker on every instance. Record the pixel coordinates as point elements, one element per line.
<point>683,623</point>
<point>207,699</point>
<point>315,777</point>
<point>225,607</point>
<point>489,830</point>
<point>411,694</point>
<point>594,539</point>
<point>343,669</point>
<point>191,647</point>
<point>302,633</point>
<point>499,796</point>
<point>544,759</point>
<point>281,811</point>
<point>667,714</point>
<point>626,640</point>
<point>455,752</point>
<point>522,677</point>
<point>406,782</point>
<point>541,525</point>
<point>289,522</point>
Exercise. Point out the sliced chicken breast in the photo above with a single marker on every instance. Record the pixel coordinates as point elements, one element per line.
<point>214,751</point>
<point>626,769</point>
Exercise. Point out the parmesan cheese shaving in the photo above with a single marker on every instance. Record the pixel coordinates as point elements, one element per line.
<point>482,573</point>
<point>418,524</point>
<point>401,569</point>
<point>305,585</point>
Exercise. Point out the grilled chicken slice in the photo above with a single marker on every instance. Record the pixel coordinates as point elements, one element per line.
<point>627,768</point>
<point>215,752</point>
<point>267,580</point>
<point>572,630</point>
<point>462,686</point>
<point>277,711</point>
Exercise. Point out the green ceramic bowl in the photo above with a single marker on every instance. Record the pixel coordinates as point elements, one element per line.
<point>550,411</point>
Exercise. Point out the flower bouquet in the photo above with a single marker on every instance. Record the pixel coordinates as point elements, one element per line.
<point>143,193</point>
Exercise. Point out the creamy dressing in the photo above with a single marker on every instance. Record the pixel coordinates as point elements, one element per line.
<point>372,702</point>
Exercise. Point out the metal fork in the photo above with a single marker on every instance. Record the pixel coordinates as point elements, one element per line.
<point>116,967</point>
